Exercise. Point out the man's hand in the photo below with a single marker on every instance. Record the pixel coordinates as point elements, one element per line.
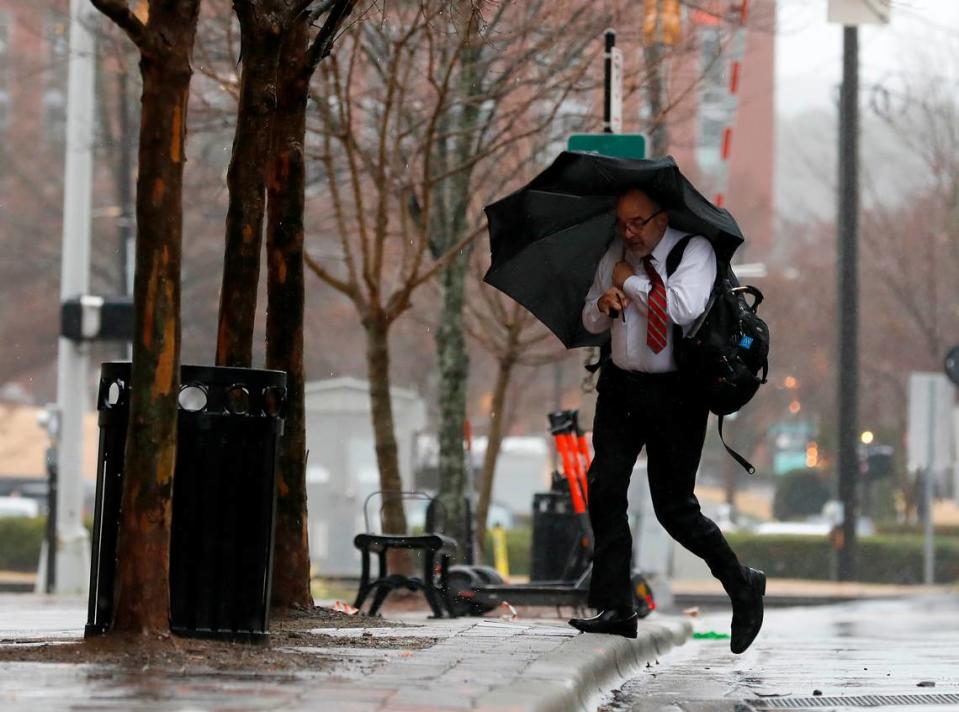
<point>621,272</point>
<point>613,298</point>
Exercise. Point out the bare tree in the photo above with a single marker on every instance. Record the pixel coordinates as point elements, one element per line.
<point>165,40</point>
<point>417,105</point>
<point>514,338</point>
<point>546,45</point>
<point>264,27</point>
<point>279,52</point>
<point>286,174</point>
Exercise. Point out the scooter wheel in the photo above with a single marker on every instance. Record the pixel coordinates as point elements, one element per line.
<point>487,574</point>
<point>645,603</point>
<point>463,583</point>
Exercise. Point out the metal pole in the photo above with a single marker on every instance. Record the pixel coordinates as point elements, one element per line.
<point>848,209</point>
<point>73,541</point>
<point>127,236</point>
<point>125,192</point>
<point>51,582</point>
<point>929,549</point>
<point>608,82</point>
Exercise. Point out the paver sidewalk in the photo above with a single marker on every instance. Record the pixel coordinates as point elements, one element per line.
<point>480,664</point>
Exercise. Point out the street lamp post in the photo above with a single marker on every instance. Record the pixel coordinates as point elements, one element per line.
<point>73,542</point>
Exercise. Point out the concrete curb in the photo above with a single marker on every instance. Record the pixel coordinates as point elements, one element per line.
<point>581,670</point>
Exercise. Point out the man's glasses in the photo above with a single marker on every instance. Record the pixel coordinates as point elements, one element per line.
<point>634,225</point>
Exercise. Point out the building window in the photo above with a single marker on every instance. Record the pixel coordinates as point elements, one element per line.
<point>55,33</point>
<point>713,100</point>
<point>54,116</point>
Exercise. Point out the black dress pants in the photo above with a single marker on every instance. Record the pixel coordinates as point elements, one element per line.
<point>656,411</point>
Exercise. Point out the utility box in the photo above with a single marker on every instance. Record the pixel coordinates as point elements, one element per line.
<point>341,468</point>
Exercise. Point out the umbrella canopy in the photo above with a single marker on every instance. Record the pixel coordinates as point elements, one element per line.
<point>547,238</point>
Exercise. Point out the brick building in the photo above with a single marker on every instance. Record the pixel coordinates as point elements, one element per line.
<point>697,133</point>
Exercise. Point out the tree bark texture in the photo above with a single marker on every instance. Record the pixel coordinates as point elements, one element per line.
<point>453,362</point>
<point>654,56</point>
<point>142,591</point>
<point>494,440</point>
<point>284,320</point>
<point>381,405</point>
<point>246,182</point>
<point>452,356</point>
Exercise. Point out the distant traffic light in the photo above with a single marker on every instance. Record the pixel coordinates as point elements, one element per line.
<point>90,318</point>
<point>662,22</point>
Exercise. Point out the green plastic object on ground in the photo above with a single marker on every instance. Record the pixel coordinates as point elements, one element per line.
<point>710,635</point>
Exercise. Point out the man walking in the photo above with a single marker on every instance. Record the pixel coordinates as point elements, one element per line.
<point>643,401</point>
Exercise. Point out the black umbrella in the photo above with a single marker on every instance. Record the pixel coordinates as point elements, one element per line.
<point>547,238</point>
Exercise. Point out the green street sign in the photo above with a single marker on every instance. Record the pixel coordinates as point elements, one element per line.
<point>609,144</point>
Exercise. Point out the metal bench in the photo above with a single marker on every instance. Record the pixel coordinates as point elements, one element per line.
<point>437,551</point>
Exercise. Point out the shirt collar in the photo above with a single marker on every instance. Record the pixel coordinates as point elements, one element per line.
<point>661,251</point>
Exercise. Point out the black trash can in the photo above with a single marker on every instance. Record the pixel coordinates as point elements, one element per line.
<point>224,499</point>
<point>555,536</point>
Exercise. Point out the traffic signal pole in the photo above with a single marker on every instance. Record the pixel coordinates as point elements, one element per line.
<point>73,361</point>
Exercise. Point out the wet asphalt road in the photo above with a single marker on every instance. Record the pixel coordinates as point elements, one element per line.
<point>848,651</point>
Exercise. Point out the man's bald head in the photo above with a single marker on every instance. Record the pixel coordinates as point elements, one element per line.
<point>636,199</point>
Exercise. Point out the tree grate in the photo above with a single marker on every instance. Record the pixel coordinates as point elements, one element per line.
<point>805,703</point>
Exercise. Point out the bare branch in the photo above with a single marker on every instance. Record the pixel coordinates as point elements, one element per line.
<point>323,274</point>
<point>123,17</point>
<point>323,42</point>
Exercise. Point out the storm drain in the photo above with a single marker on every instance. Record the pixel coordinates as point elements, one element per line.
<point>805,703</point>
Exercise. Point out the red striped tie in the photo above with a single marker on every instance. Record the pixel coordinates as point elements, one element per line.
<point>656,318</point>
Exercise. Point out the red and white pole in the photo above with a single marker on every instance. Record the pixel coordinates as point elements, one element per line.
<point>739,12</point>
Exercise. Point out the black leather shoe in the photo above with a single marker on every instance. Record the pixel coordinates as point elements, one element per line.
<point>747,611</point>
<point>613,622</point>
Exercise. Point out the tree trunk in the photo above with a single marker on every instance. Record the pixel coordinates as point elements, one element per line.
<point>494,440</point>
<point>384,433</point>
<point>246,181</point>
<point>453,359</point>
<point>284,320</point>
<point>654,56</point>
<point>454,374</point>
<point>142,577</point>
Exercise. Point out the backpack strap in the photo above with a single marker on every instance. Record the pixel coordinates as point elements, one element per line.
<point>747,465</point>
<point>673,259</point>
<point>675,255</point>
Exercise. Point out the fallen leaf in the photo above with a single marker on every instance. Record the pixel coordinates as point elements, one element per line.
<point>345,608</point>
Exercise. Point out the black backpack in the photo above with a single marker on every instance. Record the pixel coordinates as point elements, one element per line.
<point>726,351</point>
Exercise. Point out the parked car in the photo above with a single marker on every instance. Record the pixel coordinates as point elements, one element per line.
<point>18,507</point>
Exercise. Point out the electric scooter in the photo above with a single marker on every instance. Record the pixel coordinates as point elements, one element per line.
<point>480,589</point>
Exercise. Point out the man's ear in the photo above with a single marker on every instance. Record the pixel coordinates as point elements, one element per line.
<point>662,220</point>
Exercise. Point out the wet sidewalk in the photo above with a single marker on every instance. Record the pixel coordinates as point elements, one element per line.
<point>801,592</point>
<point>422,665</point>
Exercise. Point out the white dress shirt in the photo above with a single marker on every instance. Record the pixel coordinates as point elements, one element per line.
<point>687,293</point>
